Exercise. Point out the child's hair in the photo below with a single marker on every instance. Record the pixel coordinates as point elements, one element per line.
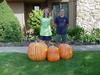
<point>44,11</point>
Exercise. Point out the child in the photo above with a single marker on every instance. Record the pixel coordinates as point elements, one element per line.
<point>61,23</point>
<point>45,30</point>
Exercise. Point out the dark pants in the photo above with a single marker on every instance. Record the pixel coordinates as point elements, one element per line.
<point>61,38</point>
<point>45,38</point>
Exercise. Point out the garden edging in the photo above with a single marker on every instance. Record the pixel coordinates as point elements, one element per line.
<point>24,49</point>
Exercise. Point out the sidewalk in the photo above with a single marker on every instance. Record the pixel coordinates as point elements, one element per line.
<point>75,48</point>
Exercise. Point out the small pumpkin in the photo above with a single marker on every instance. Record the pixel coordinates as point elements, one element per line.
<point>37,51</point>
<point>65,51</point>
<point>53,54</point>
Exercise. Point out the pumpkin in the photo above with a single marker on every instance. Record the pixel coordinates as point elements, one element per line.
<point>37,51</point>
<point>65,51</point>
<point>53,54</point>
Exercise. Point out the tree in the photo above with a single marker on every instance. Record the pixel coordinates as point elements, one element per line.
<point>10,30</point>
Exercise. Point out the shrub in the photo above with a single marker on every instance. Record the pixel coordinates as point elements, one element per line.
<point>93,37</point>
<point>34,21</point>
<point>53,30</point>
<point>78,34</point>
<point>75,33</point>
<point>10,30</point>
<point>88,38</point>
<point>96,32</point>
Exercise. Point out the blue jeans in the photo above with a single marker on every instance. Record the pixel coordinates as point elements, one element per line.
<point>61,38</point>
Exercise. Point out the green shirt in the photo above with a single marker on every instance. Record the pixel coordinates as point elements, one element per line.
<point>45,29</point>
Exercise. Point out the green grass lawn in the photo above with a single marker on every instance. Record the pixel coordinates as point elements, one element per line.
<point>82,63</point>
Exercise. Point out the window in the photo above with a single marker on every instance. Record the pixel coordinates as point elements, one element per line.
<point>58,6</point>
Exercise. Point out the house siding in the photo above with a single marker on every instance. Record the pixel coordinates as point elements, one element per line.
<point>18,9</point>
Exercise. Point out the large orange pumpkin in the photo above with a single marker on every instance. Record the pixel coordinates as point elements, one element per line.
<point>65,51</point>
<point>37,51</point>
<point>53,54</point>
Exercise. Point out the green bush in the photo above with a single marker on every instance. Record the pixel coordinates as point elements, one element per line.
<point>78,34</point>
<point>34,21</point>
<point>53,30</point>
<point>96,32</point>
<point>10,30</point>
<point>88,38</point>
<point>93,37</point>
<point>75,32</point>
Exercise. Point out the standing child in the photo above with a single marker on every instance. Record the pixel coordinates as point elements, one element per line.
<point>45,30</point>
<point>61,23</point>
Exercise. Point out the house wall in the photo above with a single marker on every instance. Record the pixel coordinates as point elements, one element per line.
<point>18,9</point>
<point>72,13</point>
<point>28,9</point>
<point>88,14</point>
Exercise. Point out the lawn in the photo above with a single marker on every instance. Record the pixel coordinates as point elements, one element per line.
<point>82,63</point>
